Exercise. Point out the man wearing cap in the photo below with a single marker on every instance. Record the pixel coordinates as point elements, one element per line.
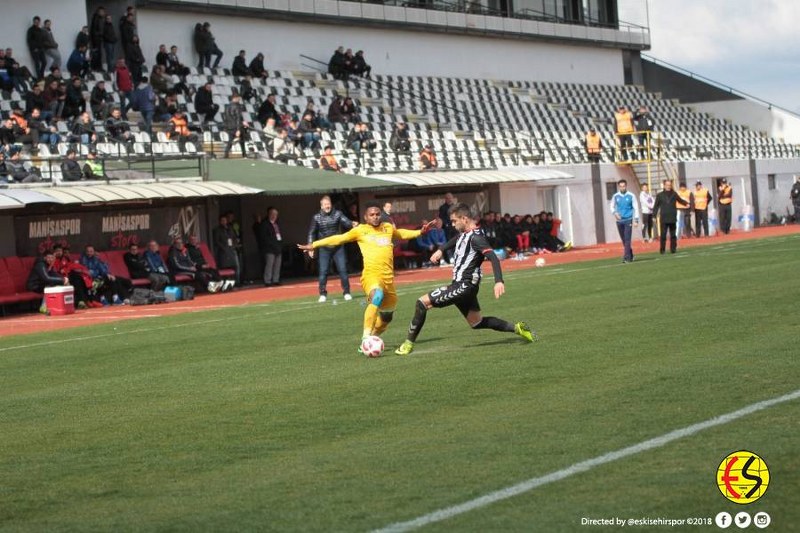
<point>701,199</point>
<point>70,169</point>
<point>725,196</point>
<point>593,145</point>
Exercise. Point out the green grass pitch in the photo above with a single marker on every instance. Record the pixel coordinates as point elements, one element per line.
<point>264,418</point>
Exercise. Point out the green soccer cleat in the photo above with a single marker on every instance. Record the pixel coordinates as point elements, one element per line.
<point>522,329</point>
<point>406,348</point>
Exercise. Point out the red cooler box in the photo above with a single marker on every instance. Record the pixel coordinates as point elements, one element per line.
<point>60,300</point>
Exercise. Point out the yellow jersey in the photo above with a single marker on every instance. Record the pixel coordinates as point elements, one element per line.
<point>375,243</point>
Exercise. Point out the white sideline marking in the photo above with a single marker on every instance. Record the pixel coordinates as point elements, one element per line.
<point>583,466</point>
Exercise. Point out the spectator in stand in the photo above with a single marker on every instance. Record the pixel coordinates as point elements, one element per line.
<point>35,98</point>
<point>213,49</point>
<point>647,201</point>
<point>50,46</point>
<point>360,66</point>
<point>99,101</point>
<point>270,130</point>
<point>75,103</point>
<point>267,110</point>
<point>427,158</point>
<point>143,100</point>
<point>18,73</point>
<point>399,140</point>
<point>200,39</point>
<point>115,290</point>
<point>70,168</point>
<point>247,91</point>
<point>161,56</point>
<point>19,171</point>
<point>318,120</point>
<point>336,65</point>
<point>127,32</point>
<point>623,126</point>
<point>594,146</point>
<point>349,111</point>
<point>124,86</point>
<point>77,64</point>
<point>215,282</point>
<point>139,268</point>
<point>360,138</point>
<point>45,274</point>
<point>180,262</point>
<point>294,133</point>
<point>645,126</point>
<point>109,43</point>
<point>55,75</point>
<point>174,65</point>
<point>118,128</point>
<point>93,169</point>
<point>349,62</point>
<point>667,203</point>
<point>257,67</point>
<point>239,67</point>
<point>41,130</point>
<point>8,135</point>
<point>204,102</point>
<point>55,96</point>
<point>6,81</point>
<point>96,29</point>
<point>159,81</point>
<point>235,125</point>
<point>179,130</point>
<point>135,59</point>
<point>311,133</point>
<point>35,39</point>
<point>225,241</point>
<point>156,265</point>
<point>328,161</point>
<point>269,233</point>
<point>165,108</point>
<point>283,149</point>
<point>83,130</point>
<point>83,38</point>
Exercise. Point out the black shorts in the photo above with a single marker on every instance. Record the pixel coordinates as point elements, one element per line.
<point>462,294</point>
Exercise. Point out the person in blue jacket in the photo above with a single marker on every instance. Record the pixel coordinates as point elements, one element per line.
<point>626,210</point>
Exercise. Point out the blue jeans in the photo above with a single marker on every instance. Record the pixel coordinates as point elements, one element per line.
<point>340,259</point>
<point>51,138</point>
<point>625,229</point>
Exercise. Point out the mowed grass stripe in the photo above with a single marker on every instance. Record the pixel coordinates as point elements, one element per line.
<point>274,423</point>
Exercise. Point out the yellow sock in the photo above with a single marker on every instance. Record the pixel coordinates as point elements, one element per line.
<point>370,317</point>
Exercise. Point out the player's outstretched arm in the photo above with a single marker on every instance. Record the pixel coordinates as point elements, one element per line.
<point>499,289</point>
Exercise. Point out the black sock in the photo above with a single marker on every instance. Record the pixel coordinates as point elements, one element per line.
<point>417,322</point>
<point>497,324</point>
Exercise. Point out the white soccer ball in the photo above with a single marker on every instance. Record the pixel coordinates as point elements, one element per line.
<point>372,346</point>
<point>540,262</point>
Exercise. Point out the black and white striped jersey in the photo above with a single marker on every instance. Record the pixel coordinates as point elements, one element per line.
<point>470,251</point>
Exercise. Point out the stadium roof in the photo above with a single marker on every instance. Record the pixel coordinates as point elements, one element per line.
<point>90,194</point>
<point>276,179</point>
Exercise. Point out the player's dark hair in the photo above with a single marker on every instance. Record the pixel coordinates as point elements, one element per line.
<point>462,210</point>
<point>372,203</point>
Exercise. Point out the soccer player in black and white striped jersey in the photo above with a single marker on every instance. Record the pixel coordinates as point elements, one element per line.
<point>471,249</point>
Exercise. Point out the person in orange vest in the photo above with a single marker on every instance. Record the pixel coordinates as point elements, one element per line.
<point>179,129</point>
<point>594,145</point>
<point>701,199</point>
<point>685,210</point>
<point>427,158</point>
<point>328,162</point>
<point>623,126</point>
<point>725,200</point>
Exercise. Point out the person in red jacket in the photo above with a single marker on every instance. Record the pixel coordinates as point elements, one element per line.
<point>124,86</point>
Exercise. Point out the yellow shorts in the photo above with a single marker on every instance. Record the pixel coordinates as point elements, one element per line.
<point>389,293</point>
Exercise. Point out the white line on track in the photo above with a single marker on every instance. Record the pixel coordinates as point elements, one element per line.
<point>583,466</point>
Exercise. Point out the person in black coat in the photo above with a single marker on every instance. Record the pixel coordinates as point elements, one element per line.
<point>224,240</point>
<point>43,274</point>
<point>336,65</point>
<point>666,204</point>
<point>109,43</point>
<point>96,30</point>
<point>257,66</point>
<point>239,67</point>
<point>204,102</point>
<point>269,235</point>
<point>268,111</point>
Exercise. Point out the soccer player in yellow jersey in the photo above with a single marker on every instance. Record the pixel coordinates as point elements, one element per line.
<point>377,279</point>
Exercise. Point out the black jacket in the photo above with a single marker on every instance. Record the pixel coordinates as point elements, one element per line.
<point>795,194</point>
<point>180,262</point>
<point>137,266</point>
<point>267,111</point>
<point>41,276</point>
<point>239,67</point>
<point>268,238</point>
<point>665,202</point>
<point>203,101</point>
<point>71,170</point>
<point>327,224</point>
<point>224,240</point>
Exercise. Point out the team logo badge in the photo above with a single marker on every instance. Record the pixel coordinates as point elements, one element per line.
<point>743,477</point>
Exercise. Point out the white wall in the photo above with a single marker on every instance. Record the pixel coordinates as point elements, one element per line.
<point>776,200</point>
<point>388,51</point>
<point>68,17</point>
<point>774,122</point>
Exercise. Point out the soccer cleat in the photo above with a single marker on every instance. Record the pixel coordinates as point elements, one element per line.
<point>522,329</point>
<point>322,299</point>
<point>347,297</point>
<point>406,348</point>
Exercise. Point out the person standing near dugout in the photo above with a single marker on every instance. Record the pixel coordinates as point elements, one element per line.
<point>667,204</point>
<point>725,200</point>
<point>326,223</point>
<point>701,199</point>
<point>471,249</point>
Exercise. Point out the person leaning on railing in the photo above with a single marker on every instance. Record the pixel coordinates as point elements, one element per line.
<point>623,126</point>
<point>644,126</point>
<point>594,145</point>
